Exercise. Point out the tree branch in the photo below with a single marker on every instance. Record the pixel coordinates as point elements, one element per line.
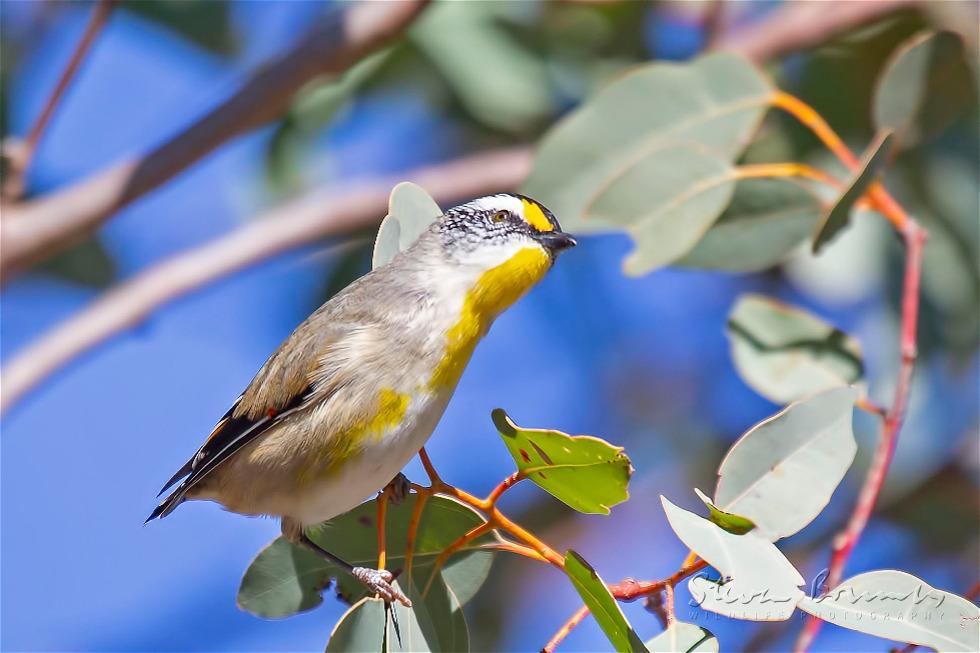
<point>317,216</point>
<point>19,155</point>
<point>37,229</point>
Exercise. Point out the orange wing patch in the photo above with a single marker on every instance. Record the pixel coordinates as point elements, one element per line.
<point>535,217</point>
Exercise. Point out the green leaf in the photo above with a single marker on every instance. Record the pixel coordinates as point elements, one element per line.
<point>898,606</point>
<point>763,585</point>
<point>734,524</point>
<point>410,212</point>
<point>666,201</point>
<point>435,622</point>
<point>783,471</point>
<point>285,579</point>
<point>925,86</point>
<point>765,221</point>
<point>837,218</point>
<point>601,603</point>
<point>716,101</point>
<point>584,472</point>
<point>785,353</point>
<point>681,637</point>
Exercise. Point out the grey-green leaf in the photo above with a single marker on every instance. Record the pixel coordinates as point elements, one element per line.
<point>786,354</point>
<point>410,212</point>
<point>763,585</point>
<point>602,604</point>
<point>765,221</point>
<point>361,628</point>
<point>837,218</point>
<point>926,85</point>
<point>666,201</point>
<point>783,471</point>
<point>898,606</point>
<point>684,638</point>
<point>715,101</point>
<point>285,579</point>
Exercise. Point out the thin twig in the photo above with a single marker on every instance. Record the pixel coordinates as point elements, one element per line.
<point>13,186</point>
<point>566,629</point>
<point>37,229</point>
<point>319,215</point>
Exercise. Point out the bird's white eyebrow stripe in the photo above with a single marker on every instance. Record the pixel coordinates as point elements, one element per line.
<point>502,201</point>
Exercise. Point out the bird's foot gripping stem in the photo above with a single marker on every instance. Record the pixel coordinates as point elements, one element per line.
<point>379,581</point>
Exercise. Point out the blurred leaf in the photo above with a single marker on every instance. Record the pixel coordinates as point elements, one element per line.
<point>410,212</point>
<point>898,606</point>
<point>734,524</point>
<point>601,603</point>
<point>666,201</point>
<point>836,219</point>
<point>87,263</point>
<point>926,85</point>
<point>716,101</point>
<point>761,584</point>
<point>785,353</point>
<point>500,82</point>
<point>285,579</point>
<point>783,471</point>
<point>586,473</point>
<point>352,261</point>
<point>205,23</point>
<point>362,628</point>
<point>435,622</point>
<point>765,221</point>
<point>685,638</point>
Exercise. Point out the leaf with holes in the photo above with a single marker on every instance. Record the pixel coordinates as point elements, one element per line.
<point>584,472</point>
<point>926,85</point>
<point>410,212</point>
<point>785,353</point>
<point>285,579</point>
<point>837,218</point>
<point>681,637</point>
<point>898,606</point>
<point>783,471</point>
<point>602,604</point>
<point>715,101</point>
<point>666,201</point>
<point>761,584</point>
<point>765,221</point>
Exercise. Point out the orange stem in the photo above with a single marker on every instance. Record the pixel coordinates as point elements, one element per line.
<point>382,502</point>
<point>505,485</point>
<point>566,629</point>
<point>514,547</point>
<point>457,544</point>
<point>421,499</point>
<point>788,169</point>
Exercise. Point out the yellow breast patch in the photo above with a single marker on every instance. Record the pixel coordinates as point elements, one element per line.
<point>535,217</point>
<point>494,292</point>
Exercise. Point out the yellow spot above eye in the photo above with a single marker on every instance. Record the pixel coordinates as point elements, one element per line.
<point>535,217</point>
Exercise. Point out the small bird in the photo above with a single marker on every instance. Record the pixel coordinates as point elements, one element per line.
<point>356,390</point>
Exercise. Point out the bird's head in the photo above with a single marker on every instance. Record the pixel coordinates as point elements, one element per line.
<point>492,230</point>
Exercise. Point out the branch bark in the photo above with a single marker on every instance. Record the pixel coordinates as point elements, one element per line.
<point>316,216</point>
<point>37,229</point>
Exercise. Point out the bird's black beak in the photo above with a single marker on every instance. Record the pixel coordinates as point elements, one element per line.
<point>556,241</point>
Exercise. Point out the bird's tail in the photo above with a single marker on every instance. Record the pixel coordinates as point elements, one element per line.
<point>169,504</point>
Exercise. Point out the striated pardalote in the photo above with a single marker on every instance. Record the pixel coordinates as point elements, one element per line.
<point>356,390</point>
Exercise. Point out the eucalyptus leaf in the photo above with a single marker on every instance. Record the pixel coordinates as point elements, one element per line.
<point>361,628</point>
<point>735,524</point>
<point>898,606</point>
<point>783,471</point>
<point>925,86</point>
<point>716,101</point>
<point>584,472</point>
<point>666,201</point>
<point>601,604</point>
<point>410,212</point>
<point>684,638</point>
<point>761,584</point>
<point>837,218</point>
<point>285,579</point>
<point>765,221</point>
<point>785,353</point>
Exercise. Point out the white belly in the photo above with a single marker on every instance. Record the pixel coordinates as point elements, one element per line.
<point>362,476</point>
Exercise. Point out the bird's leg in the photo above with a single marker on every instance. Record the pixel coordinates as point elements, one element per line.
<point>397,489</point>
<point>378,581</point>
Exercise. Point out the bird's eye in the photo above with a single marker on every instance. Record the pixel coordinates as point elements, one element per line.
<point>499,216</point>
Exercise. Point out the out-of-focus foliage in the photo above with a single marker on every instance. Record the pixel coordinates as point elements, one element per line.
<point>410,212</point>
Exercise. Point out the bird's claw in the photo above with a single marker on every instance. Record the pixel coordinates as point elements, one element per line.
<point>378,581</point>
<point>398,489</point>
